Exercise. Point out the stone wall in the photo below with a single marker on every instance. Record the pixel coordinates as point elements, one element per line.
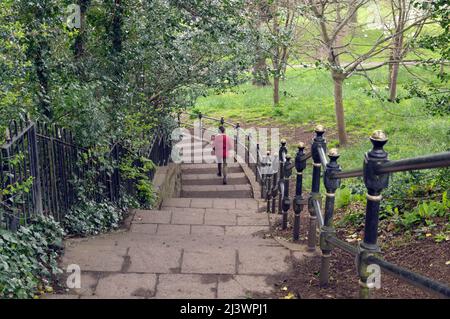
<point>167,182</point>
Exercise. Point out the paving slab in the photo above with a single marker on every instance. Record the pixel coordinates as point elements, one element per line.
<point>224,203</point>
<point>144,228</point>
<point>246,204</point>
<point>152,217</point>
<point>154,259</point>
<point>174,230</point>
<point>95,258</point>
<point>207,230</point>
<point>245,230</point>
<point>201,203</point>
<point>88,282</point>
<point>220,219</point>
<point>126,285</point>
<point>184,286</point>
<point>242,287</point>
<point>188,217</point>
<point>263,260</point>
<point>209,261</point>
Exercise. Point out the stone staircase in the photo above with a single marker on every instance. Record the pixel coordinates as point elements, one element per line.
<point>210,243</point>
<point>200,180</point>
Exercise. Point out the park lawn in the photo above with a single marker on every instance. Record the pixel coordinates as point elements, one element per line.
<point>307,100</point>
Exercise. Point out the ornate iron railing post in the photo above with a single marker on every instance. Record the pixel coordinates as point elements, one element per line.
<point>331,185</point>
<point>374,184</point>
<point>300,165</point>
<point>282,158</point>
<point>247,149</point>
<point>258,164</point>
<point>200,125</point>
<point>318,142</point>
<point>273,192</point>
<point>268,178</point>
<point>286,203</point>
<point>236,140</point>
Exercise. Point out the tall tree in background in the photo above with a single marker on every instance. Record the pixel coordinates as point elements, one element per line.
<point>260,13</point>
<point>332,20</point>
<point>39,20</point>
<point>403,13</point>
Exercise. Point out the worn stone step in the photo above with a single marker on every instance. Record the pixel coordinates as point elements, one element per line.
<point>208,168</point>
<point>248,204</point>
<point>213,179</point>
<point>216,193</point>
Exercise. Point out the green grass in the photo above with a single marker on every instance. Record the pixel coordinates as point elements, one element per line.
<point>307,100</point>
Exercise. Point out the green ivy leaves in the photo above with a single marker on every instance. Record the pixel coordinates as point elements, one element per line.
<point>28,257</point>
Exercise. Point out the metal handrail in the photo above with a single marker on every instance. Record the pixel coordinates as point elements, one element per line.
<point>417,163</point>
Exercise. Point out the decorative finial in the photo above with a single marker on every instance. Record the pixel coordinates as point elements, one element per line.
<point>319,128</point>
<point>283,141</point>
<point>301,145</point>
<point>379,135</point>
<point>333,152</point>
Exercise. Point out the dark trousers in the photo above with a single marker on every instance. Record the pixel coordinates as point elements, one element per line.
<point>223,168</point>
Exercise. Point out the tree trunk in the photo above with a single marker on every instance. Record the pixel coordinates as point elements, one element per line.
<point>79,45</point>
<point>397,57</point>
<point>276,90</point>
<point>39,51</point>
<point>260,74</point>
<point>338,79</point>
<point>117,26</point>
<point>393,82</point>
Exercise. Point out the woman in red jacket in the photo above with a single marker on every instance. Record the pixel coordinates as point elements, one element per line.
<point>222,146</point>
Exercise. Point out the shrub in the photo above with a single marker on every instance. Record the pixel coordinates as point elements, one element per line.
<point>28,258</point>
<point>92,218</point>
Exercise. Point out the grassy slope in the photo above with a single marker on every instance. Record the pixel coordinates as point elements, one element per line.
<point>309,101</point>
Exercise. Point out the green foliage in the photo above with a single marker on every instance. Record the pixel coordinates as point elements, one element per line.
<point>28,258</point>
<point>426,211</point>
<point>92,218</point>
<point>346,195</point>
<point>140,171</point>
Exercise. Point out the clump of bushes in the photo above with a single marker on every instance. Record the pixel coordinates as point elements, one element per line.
<point>28,258</point>
<point>92,218</point>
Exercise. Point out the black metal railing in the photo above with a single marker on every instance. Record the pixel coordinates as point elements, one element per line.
<point>273,174</point>
<point>375,172</point>
<point>41,167</point>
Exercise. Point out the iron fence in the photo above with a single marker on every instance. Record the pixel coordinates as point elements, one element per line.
<point>42,168</point>
<point>326,170</point>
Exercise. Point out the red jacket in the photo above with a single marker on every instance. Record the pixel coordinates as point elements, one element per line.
<point>222,145</point>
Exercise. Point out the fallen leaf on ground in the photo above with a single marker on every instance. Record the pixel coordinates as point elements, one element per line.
<point>289,296</point>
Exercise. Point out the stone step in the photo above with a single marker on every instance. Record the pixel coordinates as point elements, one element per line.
<point>213,179</point>
<point>212,191</point>
<point>222,194</point>
<point>248,204</point>
<point>208,168</point>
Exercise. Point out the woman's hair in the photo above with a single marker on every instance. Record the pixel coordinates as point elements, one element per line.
<point>222,129</point>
